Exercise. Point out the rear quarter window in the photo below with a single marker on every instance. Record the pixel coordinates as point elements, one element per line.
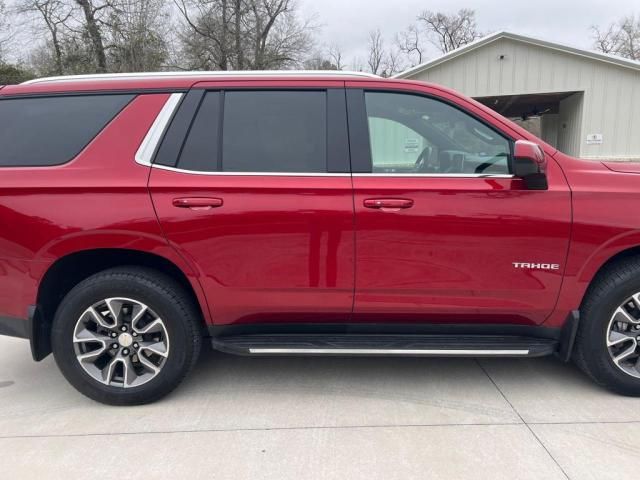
<point>49,131</point>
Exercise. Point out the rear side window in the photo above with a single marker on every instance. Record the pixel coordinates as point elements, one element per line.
<point>53,130</point>
<point>262,131</point>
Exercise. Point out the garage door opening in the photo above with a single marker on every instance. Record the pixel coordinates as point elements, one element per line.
<point>554,117</point>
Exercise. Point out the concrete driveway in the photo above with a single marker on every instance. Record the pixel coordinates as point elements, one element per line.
<point>307,418</point>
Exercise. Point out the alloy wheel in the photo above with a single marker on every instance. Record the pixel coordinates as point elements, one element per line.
<point>121,342</point>
<point>623,334</point>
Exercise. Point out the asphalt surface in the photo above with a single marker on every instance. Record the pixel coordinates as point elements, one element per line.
<point>323,418</point>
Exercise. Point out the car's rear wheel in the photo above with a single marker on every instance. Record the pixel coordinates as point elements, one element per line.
<point>608,341</point>
<point>126,336</point>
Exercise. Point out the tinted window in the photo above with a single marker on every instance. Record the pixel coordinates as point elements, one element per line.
<point>262,131</point>
<point>413,134</point>
<point>53,130</point>
<point>201,149</point>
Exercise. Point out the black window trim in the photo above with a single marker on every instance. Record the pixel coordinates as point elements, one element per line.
<point>359,139</point>
<point>178,128</point>
<point>133,96</point>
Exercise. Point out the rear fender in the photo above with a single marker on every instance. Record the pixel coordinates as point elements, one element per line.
<point>122,240</point>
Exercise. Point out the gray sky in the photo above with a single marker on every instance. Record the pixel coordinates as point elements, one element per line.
<point>347,22</point>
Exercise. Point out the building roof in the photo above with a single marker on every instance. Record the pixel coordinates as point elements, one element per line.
<point>602,57</point>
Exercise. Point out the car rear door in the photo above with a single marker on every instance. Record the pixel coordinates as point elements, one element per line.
<point>258,197</point>
<point>441,224</point>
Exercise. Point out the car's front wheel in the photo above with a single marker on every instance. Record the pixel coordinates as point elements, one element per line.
<point>608,341</point>
<point>126,336</point>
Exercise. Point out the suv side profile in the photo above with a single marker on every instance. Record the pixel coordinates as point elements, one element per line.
<point>301,213</point>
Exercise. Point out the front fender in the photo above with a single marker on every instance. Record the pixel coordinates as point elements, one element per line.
<point>615,246</point>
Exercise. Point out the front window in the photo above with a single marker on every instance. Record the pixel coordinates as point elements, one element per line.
<point>419,135</point>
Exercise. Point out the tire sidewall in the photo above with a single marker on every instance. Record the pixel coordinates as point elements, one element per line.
<point>596,352</point>
<point>87,294</point>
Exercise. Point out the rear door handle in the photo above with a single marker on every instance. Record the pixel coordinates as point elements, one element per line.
<point>198,203</point>
<point>389,204</point>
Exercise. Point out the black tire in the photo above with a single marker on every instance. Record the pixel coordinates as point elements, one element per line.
<point>613,285</point>
<point>164,296</point>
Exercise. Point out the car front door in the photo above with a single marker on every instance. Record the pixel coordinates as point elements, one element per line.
<point>258,197</point>
<point>442,227</point>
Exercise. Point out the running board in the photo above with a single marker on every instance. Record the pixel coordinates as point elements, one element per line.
<point>386,345</point>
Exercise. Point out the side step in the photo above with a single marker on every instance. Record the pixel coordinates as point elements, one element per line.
<point>386,345</point>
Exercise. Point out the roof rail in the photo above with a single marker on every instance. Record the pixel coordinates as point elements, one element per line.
<point>228,73</point>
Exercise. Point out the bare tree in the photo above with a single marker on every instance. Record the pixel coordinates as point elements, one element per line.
<point>410,44</point>
<point>392,63</point>
<point>9,73</point>
<point>135,29</point>
<point>5,34</point>
<point>53,14</point>
<point>382,61</point>
<point>448,32</point>
<point>357,64</point>
<point>329,58</point>
<point>205,31</point>
<point>606,40</point>
<point>244,34</point>
<point>284,40</point>
<point>88,36</point>
<point>335,56</point>
<point>620,38</point>
<point>376,51</point>
<point>318,62</point>
<point>91,11</point>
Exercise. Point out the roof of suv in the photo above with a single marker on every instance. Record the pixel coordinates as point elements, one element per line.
<point>203,75</point>
<point>168,80</point>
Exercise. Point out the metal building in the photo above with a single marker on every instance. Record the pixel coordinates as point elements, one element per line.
<point>587,104</point>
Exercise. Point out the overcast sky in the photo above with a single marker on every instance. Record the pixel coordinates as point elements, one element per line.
<point>347,22</point>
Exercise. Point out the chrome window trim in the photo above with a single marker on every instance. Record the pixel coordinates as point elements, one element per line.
<point>145,152</point>
<point>253,174</point>
<point>326,174</point>
<point>437,175</point>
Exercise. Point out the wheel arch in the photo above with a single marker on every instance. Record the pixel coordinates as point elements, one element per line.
<point>620,246</point>
<point>67,271</point>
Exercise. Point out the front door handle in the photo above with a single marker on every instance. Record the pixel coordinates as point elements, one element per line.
<point>198,203</point>
<point>388,204</point>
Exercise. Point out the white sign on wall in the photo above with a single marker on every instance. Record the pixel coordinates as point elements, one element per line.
<point>594,139</point>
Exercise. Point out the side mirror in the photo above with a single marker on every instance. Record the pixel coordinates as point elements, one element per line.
<point>530,164</point>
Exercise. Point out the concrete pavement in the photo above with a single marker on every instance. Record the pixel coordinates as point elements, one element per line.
<point>324,418</point>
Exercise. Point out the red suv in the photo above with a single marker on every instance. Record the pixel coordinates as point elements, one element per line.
<point>302,214</point>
